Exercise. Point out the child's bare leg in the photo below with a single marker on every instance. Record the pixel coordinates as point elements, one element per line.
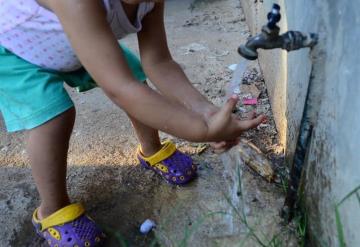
<point>148,138</point>
<point>180,167</point>
<point>47,147</point>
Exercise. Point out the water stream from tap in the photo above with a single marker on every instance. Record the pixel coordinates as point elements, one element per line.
<point>233,86</point>
<point>231,159</point>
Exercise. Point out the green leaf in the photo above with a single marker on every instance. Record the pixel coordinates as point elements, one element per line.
<point>340,228</point>
<point>116,234</point>
<point>348,195</point>
<point>358,197</point>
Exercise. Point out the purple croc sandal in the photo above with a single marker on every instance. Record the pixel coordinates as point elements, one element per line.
<point>176,167</point>
<point>69,227</point>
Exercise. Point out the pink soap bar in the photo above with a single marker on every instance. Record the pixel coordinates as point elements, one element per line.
<point>250,101</point>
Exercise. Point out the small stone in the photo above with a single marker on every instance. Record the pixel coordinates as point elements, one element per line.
<point>147,226</point>
<point>193,47</point>
<point>264,125</point>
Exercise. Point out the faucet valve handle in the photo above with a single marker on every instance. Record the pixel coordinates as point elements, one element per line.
<point>274,16</point>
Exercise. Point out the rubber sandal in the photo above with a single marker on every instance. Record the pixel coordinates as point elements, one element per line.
<point>174,166</point>
<point>69,227</point>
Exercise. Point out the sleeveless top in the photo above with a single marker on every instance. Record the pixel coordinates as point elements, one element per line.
<point>35,34</point>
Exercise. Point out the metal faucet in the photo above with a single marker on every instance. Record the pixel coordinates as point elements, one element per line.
<point>269,38</point>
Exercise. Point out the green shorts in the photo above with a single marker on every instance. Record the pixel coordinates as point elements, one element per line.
<point>31,96</point>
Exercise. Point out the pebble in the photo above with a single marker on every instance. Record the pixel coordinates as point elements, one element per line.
<point>193,47</point>
<point>147,226</point>
<point>4,149</point>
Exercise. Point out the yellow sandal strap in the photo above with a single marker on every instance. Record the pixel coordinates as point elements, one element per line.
<point>62,216</point>
<point>165,152</point>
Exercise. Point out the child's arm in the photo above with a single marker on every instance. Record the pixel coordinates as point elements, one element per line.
<point>166,74</point>
<point>162,70</point>
<point>85,23</point>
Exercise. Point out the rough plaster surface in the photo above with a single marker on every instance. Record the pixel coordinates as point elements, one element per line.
<point>333,160</point>
<point>333,165</point>
<point>286,78</point>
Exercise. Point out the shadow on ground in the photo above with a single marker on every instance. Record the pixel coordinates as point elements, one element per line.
<point>116,200</point>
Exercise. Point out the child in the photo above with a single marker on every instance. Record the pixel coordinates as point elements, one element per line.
<point>46,42</point>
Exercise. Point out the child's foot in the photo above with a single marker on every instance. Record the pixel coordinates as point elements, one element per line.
<point>173,165</point>
<point>69,226</point>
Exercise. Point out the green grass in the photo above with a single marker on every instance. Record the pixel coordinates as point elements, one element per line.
<point>358,197</point>
<point>240,214</point>
<point>301,222</point>
<point>350,194</point>
<point>340,228</point>
<point>263,241</point>
<point>116,234</point>
<point>275,242</point>
<point>339,224</point>
<point>284,184</point>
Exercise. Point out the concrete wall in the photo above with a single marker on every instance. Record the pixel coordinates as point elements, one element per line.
<point>333,160</point>
<point>333,165</point>
<point>287,79</point>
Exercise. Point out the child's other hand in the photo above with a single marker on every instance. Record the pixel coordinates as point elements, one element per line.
<point>223,146</point>
<point>225,126</point>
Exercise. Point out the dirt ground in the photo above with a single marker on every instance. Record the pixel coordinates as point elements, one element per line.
<point>103,172</point>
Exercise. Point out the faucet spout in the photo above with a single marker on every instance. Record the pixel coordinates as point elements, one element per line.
<point>269,38</point>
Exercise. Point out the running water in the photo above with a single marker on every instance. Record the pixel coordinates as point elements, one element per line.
<point>231,159</point>
<point>233,86</point>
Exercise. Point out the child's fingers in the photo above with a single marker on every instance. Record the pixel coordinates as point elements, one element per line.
<point>249,124</point>
<point>226,147</point>
<point>250,115</point>
<point>219,151</point>
<point>230,105</point>
<point>218,145</point>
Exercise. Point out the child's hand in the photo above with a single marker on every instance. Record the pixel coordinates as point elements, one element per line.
<point>224,126</point>
<point>223,146</point>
